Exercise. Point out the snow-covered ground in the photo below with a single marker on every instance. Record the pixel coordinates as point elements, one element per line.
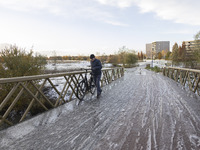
<point>159,63</point>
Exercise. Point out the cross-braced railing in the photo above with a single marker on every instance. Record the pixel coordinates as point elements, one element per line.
<point>187,77</point>
<point>30,94</point>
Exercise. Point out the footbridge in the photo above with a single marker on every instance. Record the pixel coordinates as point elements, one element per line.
<point>138,109</point>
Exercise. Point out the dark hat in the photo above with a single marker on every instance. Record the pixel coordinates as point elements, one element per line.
<point>92,56</point>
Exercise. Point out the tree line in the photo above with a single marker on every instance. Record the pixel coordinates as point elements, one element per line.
<point>124,57</point>
<point>163,55</point>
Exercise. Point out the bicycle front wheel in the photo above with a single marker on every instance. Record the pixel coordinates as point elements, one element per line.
<point>81,90</point>
<point>92,86</point>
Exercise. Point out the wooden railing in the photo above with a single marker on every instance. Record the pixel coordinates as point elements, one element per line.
<point>22,94</point>
<point>187,77</point>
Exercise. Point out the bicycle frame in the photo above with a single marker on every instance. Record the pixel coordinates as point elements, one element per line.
<point>85,86</point>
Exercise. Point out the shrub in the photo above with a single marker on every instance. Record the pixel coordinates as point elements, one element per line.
<point>156,68</point>
<point>130,59</point>
<point>17,62</point>
<point>148,66</point>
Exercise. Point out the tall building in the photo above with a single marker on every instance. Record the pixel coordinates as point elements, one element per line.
<point>156,47</point>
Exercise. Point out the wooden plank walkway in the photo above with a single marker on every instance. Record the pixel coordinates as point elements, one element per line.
<point>142,110</point>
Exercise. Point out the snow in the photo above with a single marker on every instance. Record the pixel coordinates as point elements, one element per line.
<point>159,63</point>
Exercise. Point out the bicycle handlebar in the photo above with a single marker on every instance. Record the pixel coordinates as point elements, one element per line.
<point>87,71</point>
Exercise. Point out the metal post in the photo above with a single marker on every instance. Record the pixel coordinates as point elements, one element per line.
<point>152,59</point>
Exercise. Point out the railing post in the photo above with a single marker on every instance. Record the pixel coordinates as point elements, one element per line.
<point>163,71</point>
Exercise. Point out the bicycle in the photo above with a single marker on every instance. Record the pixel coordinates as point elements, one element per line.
<point>85,86</point>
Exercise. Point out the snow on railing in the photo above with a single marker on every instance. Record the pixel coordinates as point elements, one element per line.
<point>187,77</point>
<point>34,94</point>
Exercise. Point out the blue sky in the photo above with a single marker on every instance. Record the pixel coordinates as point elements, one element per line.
<point>82,27</point>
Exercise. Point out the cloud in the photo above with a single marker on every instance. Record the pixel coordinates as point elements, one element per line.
<point>115,23</point>
<point>179,31</point>
<point>117,3</point>
<point>179,11</point>
<point>56,7</point>
<point>89,9</point>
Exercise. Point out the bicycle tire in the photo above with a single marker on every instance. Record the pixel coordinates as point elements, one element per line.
<point>92,86</point>
<point>81,90</point>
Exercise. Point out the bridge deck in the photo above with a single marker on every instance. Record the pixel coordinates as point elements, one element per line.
<point>138,111</point>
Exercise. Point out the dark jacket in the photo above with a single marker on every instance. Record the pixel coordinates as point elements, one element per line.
<point>96,67</point>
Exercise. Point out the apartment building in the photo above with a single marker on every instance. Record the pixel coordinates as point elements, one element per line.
<point>156,47</point>
<point>190,47</point>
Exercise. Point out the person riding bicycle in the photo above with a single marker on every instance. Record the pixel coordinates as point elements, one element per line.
<point>96,71</point>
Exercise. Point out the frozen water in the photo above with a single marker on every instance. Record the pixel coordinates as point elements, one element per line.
<point>74,65</point>
<point>68,66</point>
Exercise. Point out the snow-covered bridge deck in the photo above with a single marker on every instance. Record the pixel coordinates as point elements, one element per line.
<point>138,111</point>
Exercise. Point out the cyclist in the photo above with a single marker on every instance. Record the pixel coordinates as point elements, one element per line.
<point>96,71</point>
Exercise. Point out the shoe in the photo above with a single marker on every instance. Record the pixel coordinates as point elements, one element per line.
<point>98,95</point>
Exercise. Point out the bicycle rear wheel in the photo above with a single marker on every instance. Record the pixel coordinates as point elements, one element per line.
<point>92,86</point>
<point>81,90</point>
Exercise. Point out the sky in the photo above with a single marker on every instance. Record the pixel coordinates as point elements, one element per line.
<point>82,27</point>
